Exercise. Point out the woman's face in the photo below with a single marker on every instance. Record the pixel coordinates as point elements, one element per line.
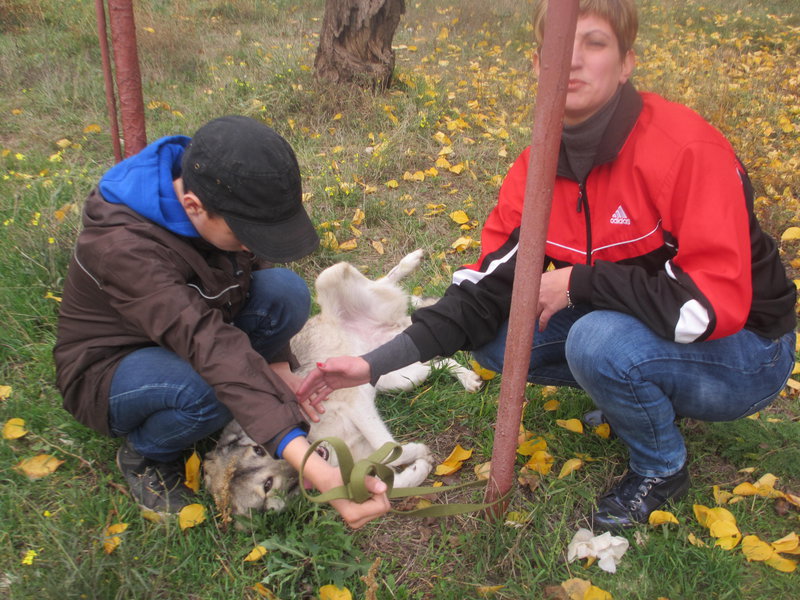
<point>596,69</point>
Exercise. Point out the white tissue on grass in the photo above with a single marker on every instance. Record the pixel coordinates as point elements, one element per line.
<point>606,548</point>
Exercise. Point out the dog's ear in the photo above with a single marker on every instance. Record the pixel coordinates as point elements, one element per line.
<point>233,435</point>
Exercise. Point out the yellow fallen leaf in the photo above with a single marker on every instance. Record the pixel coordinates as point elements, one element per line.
<point>754,548</point>
<point>540,461</point>
<point>453,462</point>
<point>485,374</point>
<point>332,592</point>
<point>256,553</point>
<point>459,216</point>
<point>348,245</point>
<point>482,470</point>
<point>695,541</point>
<point>721,496</point>
<point>5,392</point>
<point>776,561</point>
<point>415,176</point>
<point>551,405</point>
<point>38,466</point>
<point>662,517</point>
<point>329,241</point>
<point>463,243</point>
<point>92,128</point>
<point>191,515</point>
<point>573,464</point>
<point>576,588</point>
<point>789,544</point>
<point>152,516</point>
<point>549,390</point>
<point>603,430</point>
<point>111,539</point>
<point>14,429</point>
<point>457,169</point>
<point>570,424</point>
<point>392,184</point>
<point>358,217</point>
<point>264,591</point>
<point>488,590</point>
<point>531,445</point>
<point>727,534</point>
<point>442,138</point>
<point>792,233</point>
<point>377,246</point>
<point>517,519</point>
<point>63,143</point>
<point>192,469</point>
<point>595,593</point>
<point>442,163</point>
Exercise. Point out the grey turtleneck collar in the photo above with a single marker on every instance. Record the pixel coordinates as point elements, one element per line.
<point>580,142</point>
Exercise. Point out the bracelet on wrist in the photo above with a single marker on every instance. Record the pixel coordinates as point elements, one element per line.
<point>569,301</point>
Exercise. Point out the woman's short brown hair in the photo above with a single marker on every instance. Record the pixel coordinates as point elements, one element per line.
<point>620,14</point>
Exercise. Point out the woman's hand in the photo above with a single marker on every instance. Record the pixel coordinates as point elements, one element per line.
<point>553,294</point>
<point>324,477</point>
<point>333,374</point>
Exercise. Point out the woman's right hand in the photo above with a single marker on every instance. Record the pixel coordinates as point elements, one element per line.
<point>333,374</point>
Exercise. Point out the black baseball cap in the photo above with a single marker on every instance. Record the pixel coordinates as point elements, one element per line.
<point>246,172</point>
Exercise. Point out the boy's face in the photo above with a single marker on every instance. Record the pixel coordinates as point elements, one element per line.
<point>212,228</point>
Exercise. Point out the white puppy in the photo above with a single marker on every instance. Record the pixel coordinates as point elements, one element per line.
<point>356,315</point>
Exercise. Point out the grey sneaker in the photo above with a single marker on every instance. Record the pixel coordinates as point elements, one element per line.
<point>156,486</point>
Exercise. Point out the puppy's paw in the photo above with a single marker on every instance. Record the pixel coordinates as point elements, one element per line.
<point>471,381</point>
<point>413,475</point>
<point>414,452</point>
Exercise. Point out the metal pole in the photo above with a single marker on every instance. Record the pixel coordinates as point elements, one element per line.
<point>108,78</point>
<point>129,78</point>
<point>555,58</point>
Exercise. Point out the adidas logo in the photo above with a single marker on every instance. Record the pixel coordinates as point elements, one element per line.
<point>619,217</point>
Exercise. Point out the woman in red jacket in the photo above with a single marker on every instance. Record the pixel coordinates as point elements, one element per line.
<point>666,298</point>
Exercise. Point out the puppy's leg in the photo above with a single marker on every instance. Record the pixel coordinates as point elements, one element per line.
<point>405,379</point>
<point>363,413</point>
<point>408,264</point>
<point>468,378</point>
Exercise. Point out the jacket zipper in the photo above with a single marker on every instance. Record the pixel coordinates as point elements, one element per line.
<point>583,205</point>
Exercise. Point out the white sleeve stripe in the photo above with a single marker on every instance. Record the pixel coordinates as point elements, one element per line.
<point>692,323</point>
<point>463,275</point>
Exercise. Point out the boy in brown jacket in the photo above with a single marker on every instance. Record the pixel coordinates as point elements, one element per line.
<point>168,327</point>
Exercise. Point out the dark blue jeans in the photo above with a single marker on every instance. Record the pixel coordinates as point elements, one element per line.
<point>641,381</point>
<point>163,406</point>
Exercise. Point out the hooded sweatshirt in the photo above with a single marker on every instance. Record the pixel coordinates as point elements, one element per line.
<point>141,276</point>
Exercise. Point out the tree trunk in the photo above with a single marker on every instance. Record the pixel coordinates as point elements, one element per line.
<point>355,43</point>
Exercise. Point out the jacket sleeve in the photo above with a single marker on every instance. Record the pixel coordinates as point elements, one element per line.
<point>704,291</point>
<point>478,301</point>
<point>172,315</point>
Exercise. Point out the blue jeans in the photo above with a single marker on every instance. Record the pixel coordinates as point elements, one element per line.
<point>641,381</point>
<point>163,406</point>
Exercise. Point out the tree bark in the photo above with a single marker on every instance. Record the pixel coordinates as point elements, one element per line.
<point>355,43</point>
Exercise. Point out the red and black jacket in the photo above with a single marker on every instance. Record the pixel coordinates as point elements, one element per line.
<point>662,228</point>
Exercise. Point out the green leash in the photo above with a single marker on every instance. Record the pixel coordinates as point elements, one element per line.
<point>376,464</point>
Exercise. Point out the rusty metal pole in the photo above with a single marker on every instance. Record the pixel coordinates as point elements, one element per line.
<point>555,57</point>
<point>129,78</point>
<point>108,78</point>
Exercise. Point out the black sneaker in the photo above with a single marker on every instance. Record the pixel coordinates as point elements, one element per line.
<point>633,499</point>
<point>156,486</point>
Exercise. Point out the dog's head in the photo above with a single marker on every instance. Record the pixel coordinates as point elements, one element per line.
<point>243,477</point>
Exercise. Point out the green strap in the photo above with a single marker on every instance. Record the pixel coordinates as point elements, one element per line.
<point>376,464</point>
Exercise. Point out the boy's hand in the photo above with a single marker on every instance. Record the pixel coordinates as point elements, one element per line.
<point>284,371</point>
<point>324,477</point>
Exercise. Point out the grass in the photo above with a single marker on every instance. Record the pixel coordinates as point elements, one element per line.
<point>462,70</point>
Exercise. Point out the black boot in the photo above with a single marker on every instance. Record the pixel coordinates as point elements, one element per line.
<point>633,499</point>
<point>155,486</point>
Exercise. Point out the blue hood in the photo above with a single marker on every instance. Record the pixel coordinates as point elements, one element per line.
<point>143,183</point>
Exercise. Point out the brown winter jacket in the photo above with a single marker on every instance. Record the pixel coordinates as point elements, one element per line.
<point>132,284</point>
